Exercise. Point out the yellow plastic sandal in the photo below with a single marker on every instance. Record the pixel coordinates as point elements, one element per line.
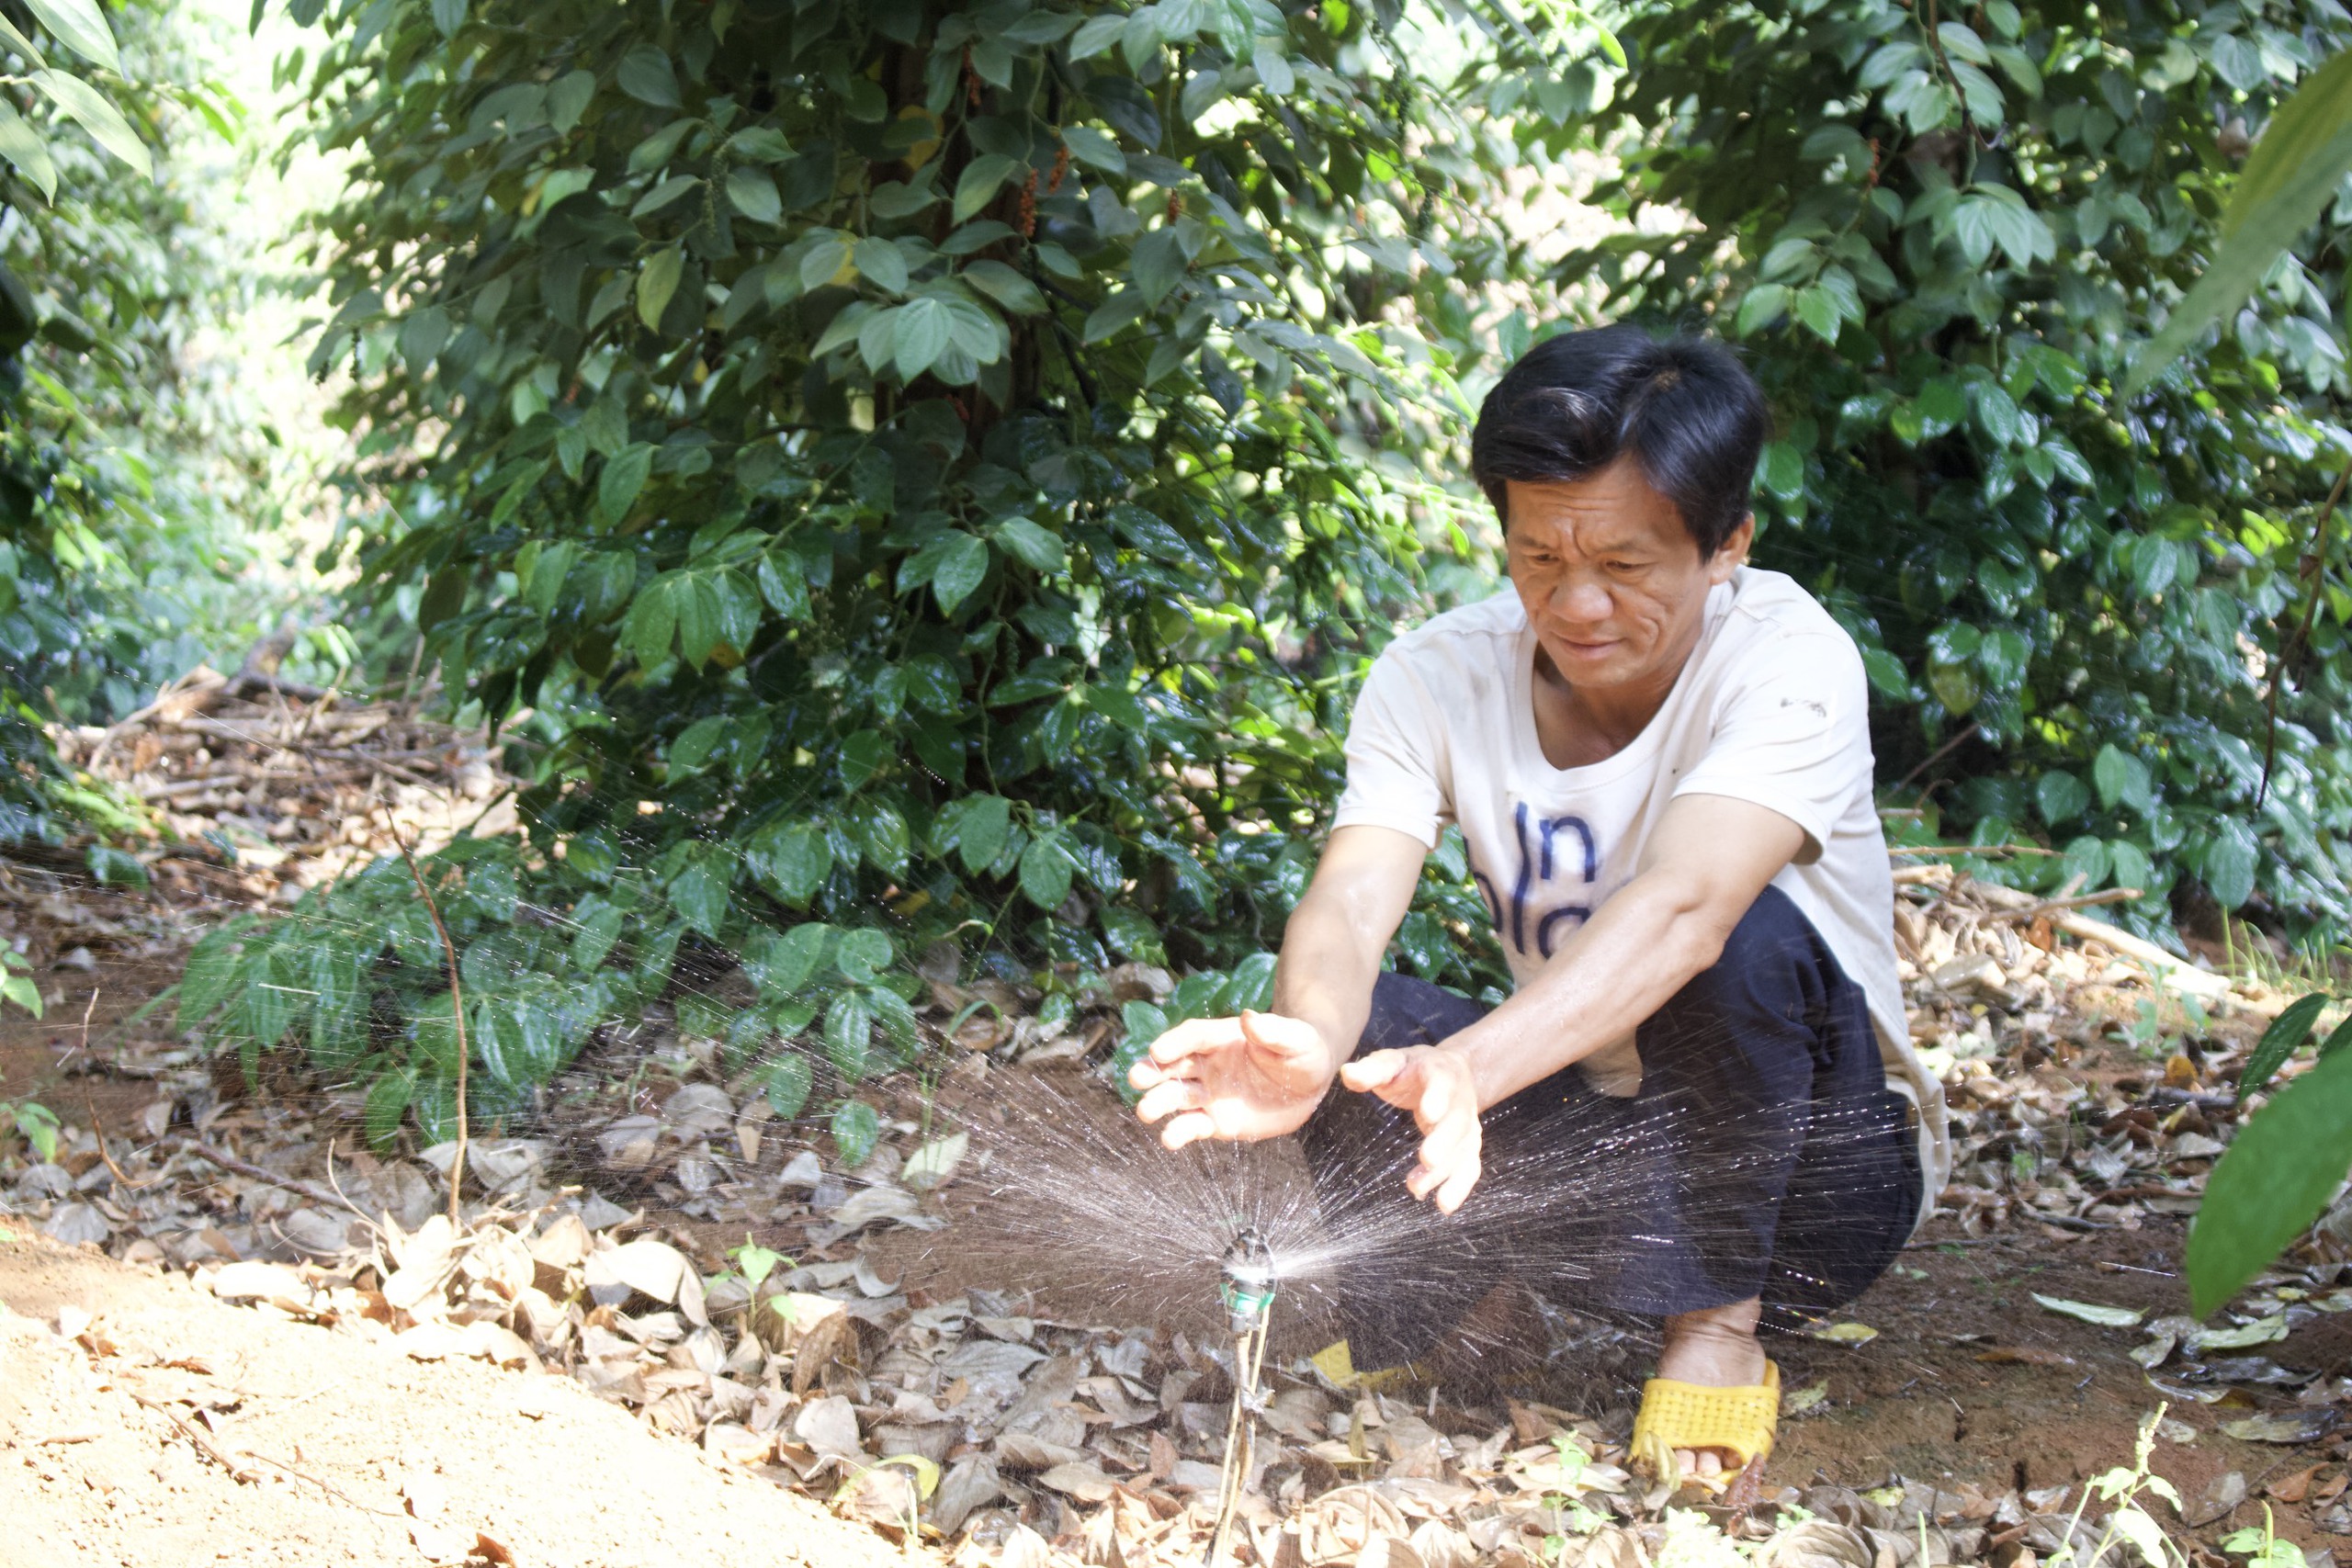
<point>1735,1421</point>
<point>1335,1362</point>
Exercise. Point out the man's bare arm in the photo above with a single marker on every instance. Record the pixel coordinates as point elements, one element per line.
<point>1705,865</point>
<point>1335,940</point>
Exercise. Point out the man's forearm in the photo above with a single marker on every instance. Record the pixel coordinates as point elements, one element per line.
<point>1329,960</point>
<point>1643,945</point>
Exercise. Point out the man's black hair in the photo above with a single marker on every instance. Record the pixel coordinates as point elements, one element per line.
<point>1683,409</point>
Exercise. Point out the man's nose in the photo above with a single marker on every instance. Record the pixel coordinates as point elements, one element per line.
<point>1580,601</point>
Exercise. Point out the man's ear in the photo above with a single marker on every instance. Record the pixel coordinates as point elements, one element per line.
<point>1734,553</point>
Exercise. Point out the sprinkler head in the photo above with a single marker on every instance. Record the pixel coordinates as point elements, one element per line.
<point>1248,1288</point>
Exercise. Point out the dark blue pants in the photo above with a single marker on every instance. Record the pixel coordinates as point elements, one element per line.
<point>1764,1155</point>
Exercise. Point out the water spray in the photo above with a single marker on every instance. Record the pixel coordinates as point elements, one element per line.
<point>1247,1287</point>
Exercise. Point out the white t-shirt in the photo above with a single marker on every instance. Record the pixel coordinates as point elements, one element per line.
<point>1771,708</point>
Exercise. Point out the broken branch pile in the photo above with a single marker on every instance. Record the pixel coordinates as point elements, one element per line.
<point>288,784</point>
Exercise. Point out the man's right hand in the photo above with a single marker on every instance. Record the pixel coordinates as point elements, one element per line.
<point>1257,1076</point>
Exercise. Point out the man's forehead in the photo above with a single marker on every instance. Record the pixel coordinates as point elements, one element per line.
<point>1607,511</point>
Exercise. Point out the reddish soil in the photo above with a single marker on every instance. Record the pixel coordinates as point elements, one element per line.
<point>103,1446</point>
<point>560,1477</point>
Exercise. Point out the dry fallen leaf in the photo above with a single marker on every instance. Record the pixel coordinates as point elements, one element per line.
<point>1843,1333</point>
<point>1796,1402</point>
<point>2091,1312</point>
<point>2245,1337</point>
<point>2282,1426</point>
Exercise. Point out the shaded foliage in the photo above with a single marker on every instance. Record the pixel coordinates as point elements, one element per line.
<point>1941,237</point>
<point>131,478</point>
<point>895,472</point>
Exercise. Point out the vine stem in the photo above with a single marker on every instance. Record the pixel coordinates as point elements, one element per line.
<point>2313,570</point>
<point>457,1009</point>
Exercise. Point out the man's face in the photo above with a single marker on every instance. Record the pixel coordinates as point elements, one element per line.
<point>1613,584</point>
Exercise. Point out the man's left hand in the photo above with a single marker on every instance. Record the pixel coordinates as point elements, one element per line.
<point>1437,1087</point>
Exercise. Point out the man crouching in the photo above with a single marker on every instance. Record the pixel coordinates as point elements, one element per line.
<point>1701,1103</point>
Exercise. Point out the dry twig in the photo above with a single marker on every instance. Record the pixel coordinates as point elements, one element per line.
<point>311,1189</point>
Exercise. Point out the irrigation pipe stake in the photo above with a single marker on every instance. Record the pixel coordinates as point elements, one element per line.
<point>457,1011</point>
<point>1247,1289</point>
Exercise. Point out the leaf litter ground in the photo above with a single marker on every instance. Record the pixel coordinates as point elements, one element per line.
<point>913,1342</point>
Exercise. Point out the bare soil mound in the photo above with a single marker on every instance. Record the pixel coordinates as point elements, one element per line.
<point>163,1427</point>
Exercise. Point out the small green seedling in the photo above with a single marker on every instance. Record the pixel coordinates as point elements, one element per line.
<point>2262,1547</point>
<point>2129,1522</point>
<point>754,1263</point>
<point>35,1122</point>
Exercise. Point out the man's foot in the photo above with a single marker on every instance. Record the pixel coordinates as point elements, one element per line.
<point>1713,1348</point>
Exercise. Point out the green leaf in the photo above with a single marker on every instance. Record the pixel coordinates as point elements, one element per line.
<point>2060,797</point>
<point>784,584</point>
<point>114,868</point>
<point>882,263</point>
<point>423,337</point>
<point>793,858</point>
<point>979,182</point>
<point>1783,473</point>
<point>1158,261</point>
<point>921,336</point>
<point>819,264</point>
<point>653,622</point>
<point>1087,145</point>
<point>2122,779</point>
<point>2288,180</point>
<point>204,983</point>
<point>387,1100</point>
<point>1816,309</point>
<point>623,480</point>
<point>647,75</point>
<point>2273,1181</point>
<point>80,26</point>
<point>849,1030</point>
<point>22,146</point>
<point>780,964</point>
<point>1095,35</point>
<point>788,1082</point>
<point>663,195</point>
<point>593,941</point>
<point>753,193</point>
<point>863,955</point>
<point>1006,287</point>
<point>983,825</point>
<point>568,97</point>
<point>1032,547</point>
<point>449,15</point>
<point>100,118</point>
<point>699,893</point>
<point>658,283</point>
<point>864,754</point>
<point>12,38</point>
<point>697,601</point>
<point>856,1129</point>
<point>760,143</point>
<point>962,567</point>
<point>20,989</point>
<point>2285,1036</point>
<point>2230,861</point>
<point>1046,871</point>
<point>1131,934</point>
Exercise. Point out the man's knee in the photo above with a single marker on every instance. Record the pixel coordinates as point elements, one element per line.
<point>1772,937</point>
<point>1761,997</point>
<point>1406,1012</point>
